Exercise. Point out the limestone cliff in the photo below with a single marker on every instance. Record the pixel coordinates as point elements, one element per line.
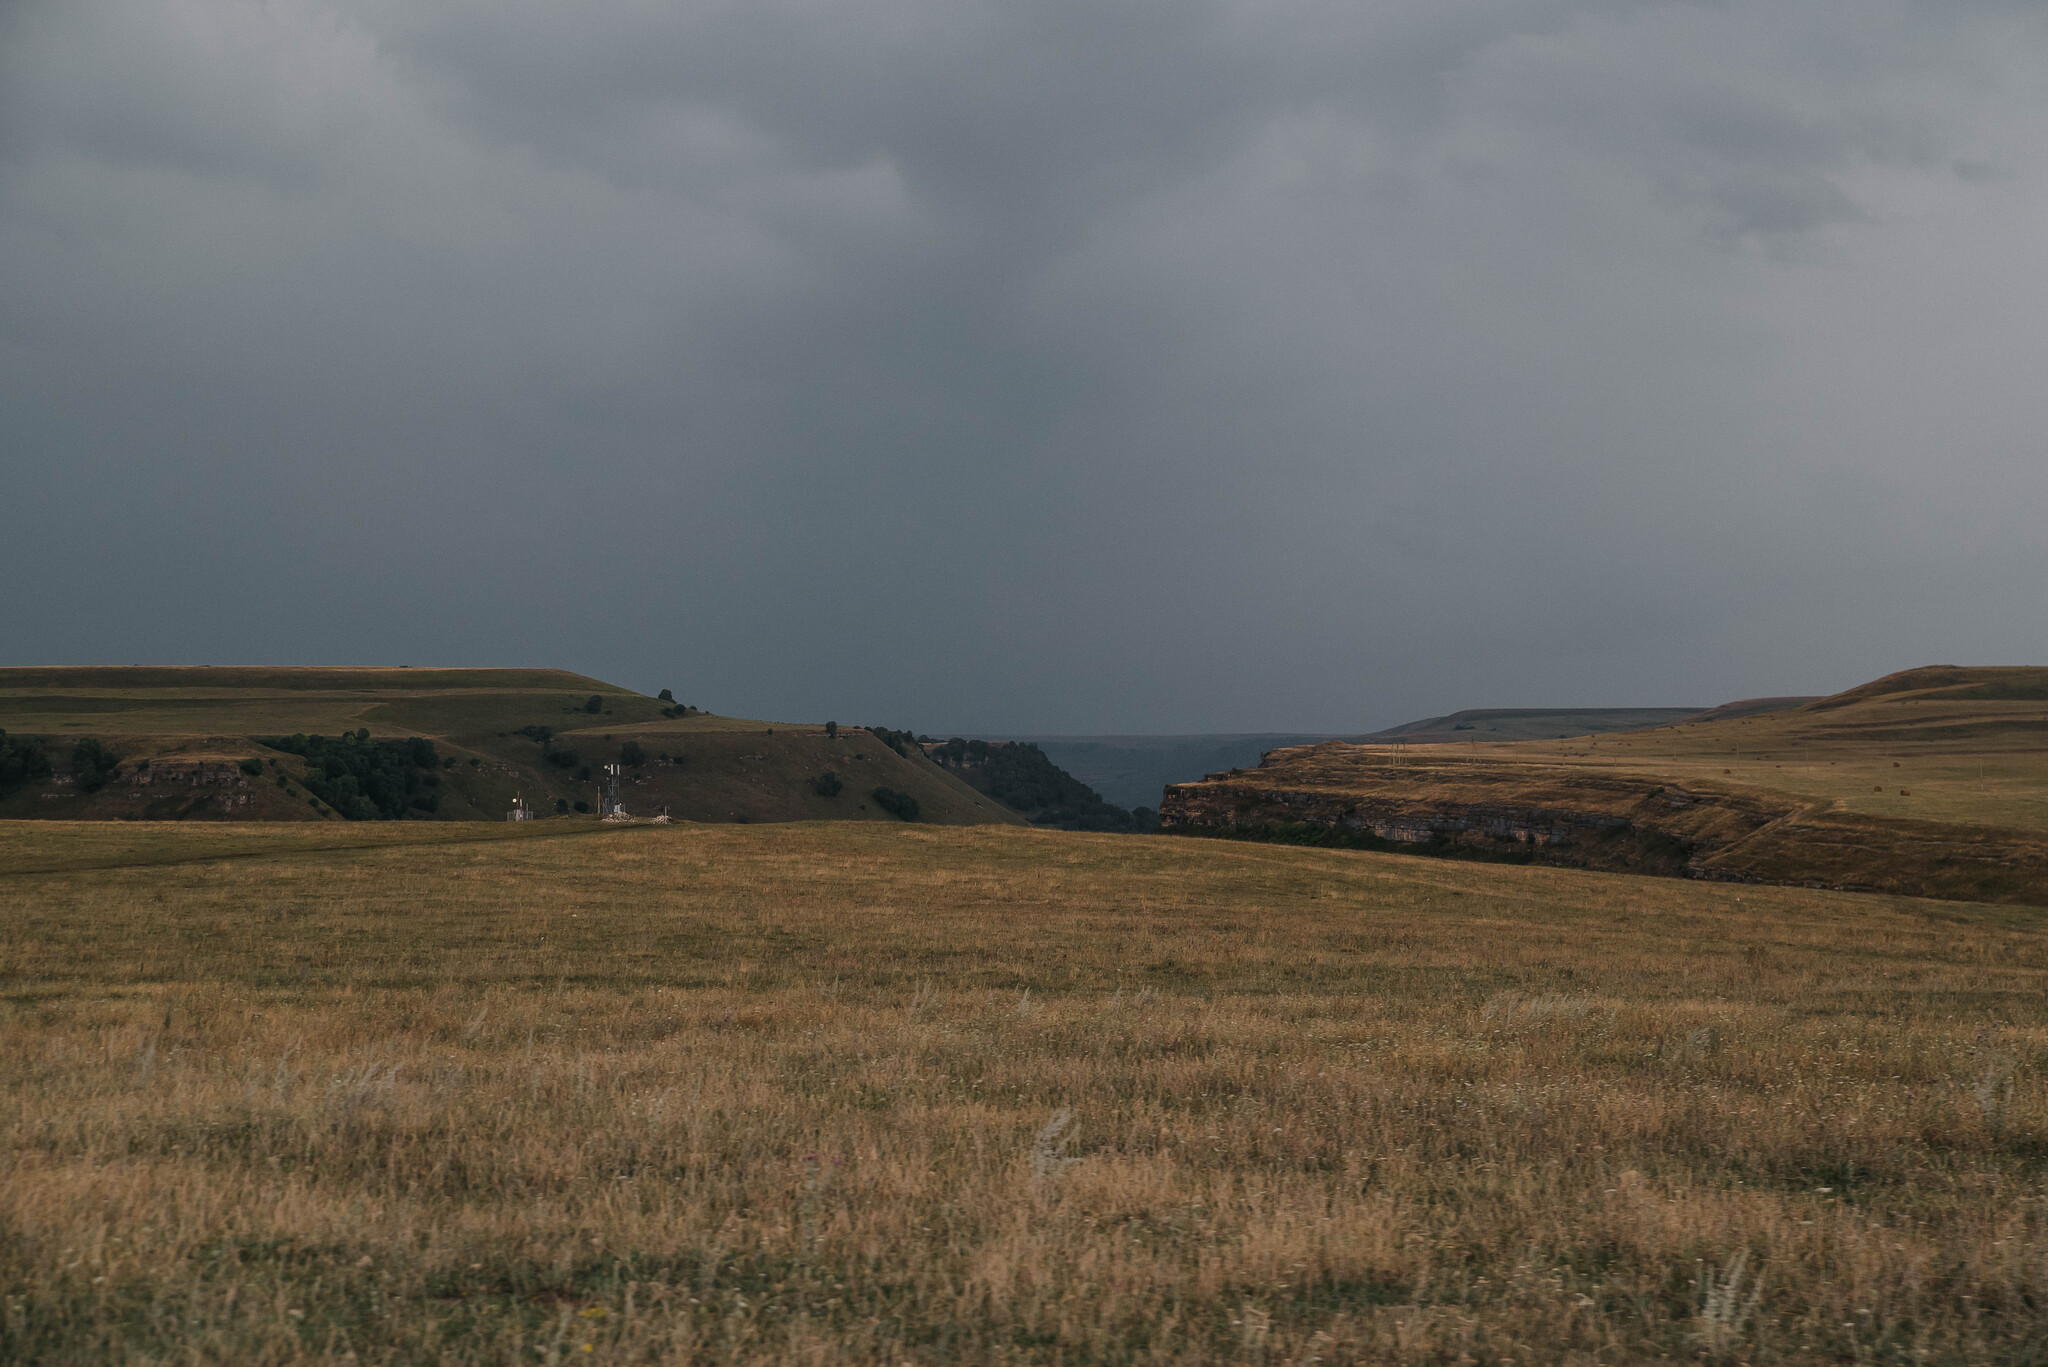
<point>1433,803</point>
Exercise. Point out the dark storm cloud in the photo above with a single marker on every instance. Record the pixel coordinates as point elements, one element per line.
<point>1049,367</point>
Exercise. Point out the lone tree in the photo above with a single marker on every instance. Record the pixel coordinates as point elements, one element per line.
<point>666,696</point>
<point>93,764</point>
<point>832,729</point>
<point>596,704</point>
<point>632,754</point>
<point>827,784</point>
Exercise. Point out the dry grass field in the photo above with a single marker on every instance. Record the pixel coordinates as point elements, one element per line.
<point>855,1093</point>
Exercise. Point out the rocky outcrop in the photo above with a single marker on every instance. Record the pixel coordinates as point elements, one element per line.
<point>1370,792</point>
<point>174,789</point>
<point>161,774</point>
<point>1369,798</point>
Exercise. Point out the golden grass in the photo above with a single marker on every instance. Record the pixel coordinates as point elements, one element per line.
<point>849,1093</point>
<point>1927,754</point>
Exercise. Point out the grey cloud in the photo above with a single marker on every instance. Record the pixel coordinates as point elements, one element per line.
<point>1029,367</point>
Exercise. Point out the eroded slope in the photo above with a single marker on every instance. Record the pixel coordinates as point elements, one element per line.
<point>1933,782</point>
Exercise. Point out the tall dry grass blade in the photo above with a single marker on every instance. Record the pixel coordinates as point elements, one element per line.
<point>1722,1312</point>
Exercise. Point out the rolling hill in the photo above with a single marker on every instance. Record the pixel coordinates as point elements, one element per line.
<point>1131,771</point>
<point>230,743</point>
<point>1932,782</point>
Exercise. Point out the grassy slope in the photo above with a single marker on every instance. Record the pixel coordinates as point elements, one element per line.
<point>1878,786</point>
<point>721,768</point>
<point>1131,771</point>
<point>1538,723</point>
<point>762,1096</point>
<point>1960,758</point>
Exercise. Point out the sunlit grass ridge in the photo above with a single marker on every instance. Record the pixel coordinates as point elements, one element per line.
<point>882,1094</point>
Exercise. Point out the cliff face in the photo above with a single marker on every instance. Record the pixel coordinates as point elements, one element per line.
<point>1359,795</point>
<point>1370,797</point>
<point>180,788</point>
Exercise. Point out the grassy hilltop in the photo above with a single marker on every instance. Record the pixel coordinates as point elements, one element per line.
<point>179,738</point>
<point>893,1094</point>
<point>1929,782</point>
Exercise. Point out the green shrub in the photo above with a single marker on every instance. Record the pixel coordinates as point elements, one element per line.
<point>632,755</point>
<point>900,805</point>
<point>563,759</point>
<point>253,768</point>
<point>827,784</point>
<point>666,696</point>
<point>596,704</point>
<point>21,761</point>
<point>93,764</point>
<point>561,804</point>
<point>581,805</point>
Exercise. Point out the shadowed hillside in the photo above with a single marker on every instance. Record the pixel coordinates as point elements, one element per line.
<point>267,744</point>
<point>1020,776</point>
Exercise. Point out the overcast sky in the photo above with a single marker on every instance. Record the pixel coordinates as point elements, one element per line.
<point>1026,365</point>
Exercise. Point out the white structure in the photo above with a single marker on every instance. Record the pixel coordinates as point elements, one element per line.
<point>520,811</point>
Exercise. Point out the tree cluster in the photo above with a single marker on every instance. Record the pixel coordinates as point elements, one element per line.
<point>21,761</point>
<point>1021,777</point>
<point>366,780</point>
<point>899,741</point>
<point>92,764</point>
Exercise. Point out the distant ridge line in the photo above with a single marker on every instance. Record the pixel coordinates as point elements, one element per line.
<point>312,678</point>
